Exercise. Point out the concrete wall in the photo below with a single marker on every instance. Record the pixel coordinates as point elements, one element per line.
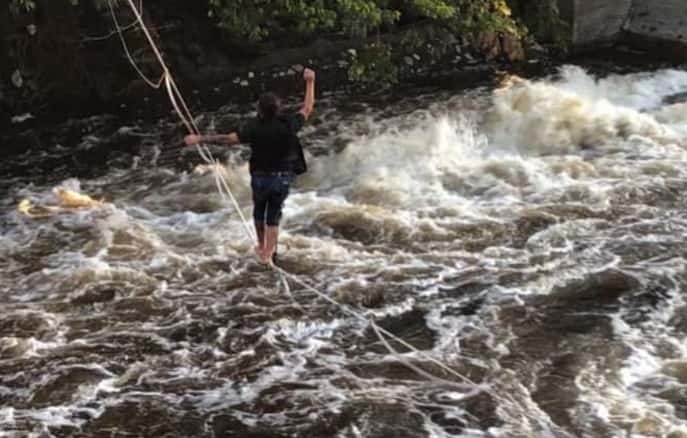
<point>597,21</point>
<point>659,20</point>
<point>642,22</point>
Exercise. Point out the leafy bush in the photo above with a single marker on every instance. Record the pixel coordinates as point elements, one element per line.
<point>19,6</point>
<point>255,18</point>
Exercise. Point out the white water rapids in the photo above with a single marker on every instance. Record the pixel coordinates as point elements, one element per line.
<point>530,237</point>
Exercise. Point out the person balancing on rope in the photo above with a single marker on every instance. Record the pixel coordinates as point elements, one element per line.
<point>276,158</point>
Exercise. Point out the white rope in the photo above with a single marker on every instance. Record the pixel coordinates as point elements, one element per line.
<point>226,193</point>
<point>381,331</point>
<point>223,188</point>
<point>120,32</point>
<point>185,115</point>
<point>170,92</point>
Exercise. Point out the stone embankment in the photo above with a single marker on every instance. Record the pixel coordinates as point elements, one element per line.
<point>659,25</point>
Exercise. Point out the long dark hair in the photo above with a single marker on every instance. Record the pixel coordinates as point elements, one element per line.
<point>269,106</point>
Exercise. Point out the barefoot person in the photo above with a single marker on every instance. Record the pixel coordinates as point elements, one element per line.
<point>276,158</point>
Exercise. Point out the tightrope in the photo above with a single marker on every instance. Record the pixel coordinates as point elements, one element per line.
<point>182,110</point>
<point>187,119</point>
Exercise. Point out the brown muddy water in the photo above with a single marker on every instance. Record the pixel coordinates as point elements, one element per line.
<point>532,238</point>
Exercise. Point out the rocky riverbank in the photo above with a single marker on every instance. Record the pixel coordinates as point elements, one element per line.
<point>63,62</point>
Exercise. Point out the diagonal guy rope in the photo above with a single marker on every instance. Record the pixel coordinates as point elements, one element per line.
<point>182,110</point>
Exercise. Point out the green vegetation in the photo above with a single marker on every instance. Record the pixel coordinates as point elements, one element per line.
<point>19,6</point>
<point>373,63</point>
<point>260,19</point>
<point>256,19</point>
<point>419,23</point>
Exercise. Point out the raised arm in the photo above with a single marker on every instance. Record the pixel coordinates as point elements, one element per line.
<point>228,139</point>
<point>309,101</point>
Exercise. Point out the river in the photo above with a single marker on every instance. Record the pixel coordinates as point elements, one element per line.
<point>529,237</point>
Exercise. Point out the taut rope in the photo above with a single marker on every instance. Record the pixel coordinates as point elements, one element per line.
<point>182,110</point>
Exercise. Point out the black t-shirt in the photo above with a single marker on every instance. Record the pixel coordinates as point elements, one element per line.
<point>273,142</point>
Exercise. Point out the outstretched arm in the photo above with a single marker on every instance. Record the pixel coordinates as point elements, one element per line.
<point>228,139</point>
<point>309,101</point>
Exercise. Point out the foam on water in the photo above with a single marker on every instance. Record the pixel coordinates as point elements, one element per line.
<point>529,238</point>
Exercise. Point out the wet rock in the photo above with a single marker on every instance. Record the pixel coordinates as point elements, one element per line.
<point>361,295</point>
<point>529,225</point>
<point>145,418</point>
<point>390,420</point>
<point>410,326</point>
<point>675,98</point>
<point>231,427</point>
<point>139,308</point>
<point>26,324</point>
<point>450,424</point>
<point>677,370</point>
<point>13,347</point>
<point>17,79</point>
<point>649,425</point>
<point>535,50</point>
<point>133,348</point>
<point>470,59</point>
<point>489,44</point>
<point>65,387</point>
<point>679,319</point>
<point>596,289</point>
<point>25,141</point>
<point>96,293</point>
<point>512,48</point>
<point>361,226</point>
<point>464,287</point>
<point>680,433</point>
<point>642,304</point>
<point>21,118</point>
<point>677,397</point>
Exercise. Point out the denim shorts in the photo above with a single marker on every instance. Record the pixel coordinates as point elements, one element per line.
<point>269,193</point>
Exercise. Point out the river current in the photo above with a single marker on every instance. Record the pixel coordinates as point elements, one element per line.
<point>530,237</point>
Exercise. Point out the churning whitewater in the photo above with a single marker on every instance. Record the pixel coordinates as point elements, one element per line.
<point>530,237</point>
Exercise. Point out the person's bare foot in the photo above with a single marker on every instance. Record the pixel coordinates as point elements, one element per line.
<point>266,256</point>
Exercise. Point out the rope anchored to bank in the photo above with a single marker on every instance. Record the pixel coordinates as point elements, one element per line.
<point>181,108</point>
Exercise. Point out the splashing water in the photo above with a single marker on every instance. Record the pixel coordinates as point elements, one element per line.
<point>528,237</point>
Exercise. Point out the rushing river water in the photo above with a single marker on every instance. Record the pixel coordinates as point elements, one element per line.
<point>531,238</point>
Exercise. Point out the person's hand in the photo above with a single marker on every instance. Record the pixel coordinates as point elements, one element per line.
<point>192,140</point>
<point>308,75</point>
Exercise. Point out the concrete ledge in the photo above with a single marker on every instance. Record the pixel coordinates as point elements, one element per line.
<point>598,21</point>
<point>656,48</point>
